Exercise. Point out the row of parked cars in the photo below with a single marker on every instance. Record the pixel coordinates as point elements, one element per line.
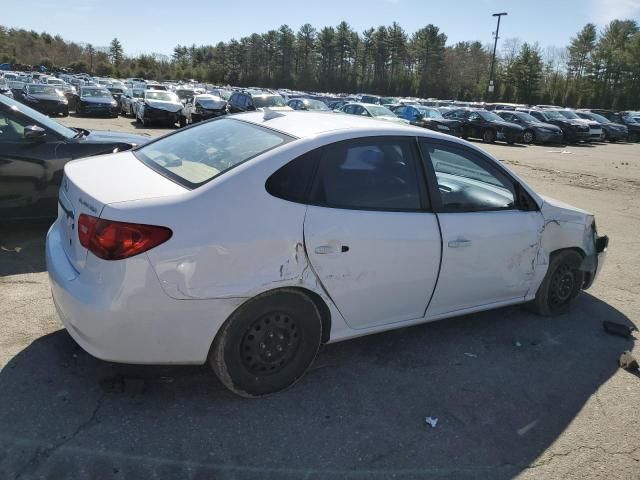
<point>172,103</point>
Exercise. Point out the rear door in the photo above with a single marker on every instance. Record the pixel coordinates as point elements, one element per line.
<point>370,235</point>
<point>490,229</point>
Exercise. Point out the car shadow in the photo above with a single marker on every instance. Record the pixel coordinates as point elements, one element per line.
<point>22,246</point>
<point>503,385</point>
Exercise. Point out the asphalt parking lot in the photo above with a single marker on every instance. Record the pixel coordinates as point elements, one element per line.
<point>515,395</point>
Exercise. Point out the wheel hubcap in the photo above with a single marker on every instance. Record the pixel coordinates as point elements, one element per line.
<point>528,137</point>
<point>270,344</point>
<point>562,284</point>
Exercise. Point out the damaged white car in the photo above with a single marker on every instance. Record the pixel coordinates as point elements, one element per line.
<point>250,240</point>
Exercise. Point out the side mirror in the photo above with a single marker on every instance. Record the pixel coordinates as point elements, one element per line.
<point>34,132</point>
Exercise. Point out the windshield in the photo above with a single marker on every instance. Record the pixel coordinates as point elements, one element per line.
<point>552,114</point>
<point>527,118</point>
<point>569,115</point>
<point>161,96</point>
<point>490,116</point>
<point>35,89</point>
<point>182,94</point>
<point>39,118</point>
<point>208,100</point>
<point>598,118</point>
<point>95,92</point>
<point>138,93</point>
<point>224,94</point>
<point>380,111</point>
<point>316,105</point>
<point>115,89</point>
<point>430,113</point>
<point>268,101</point>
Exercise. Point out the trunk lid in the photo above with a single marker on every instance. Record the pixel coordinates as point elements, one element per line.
<point>90,184</point>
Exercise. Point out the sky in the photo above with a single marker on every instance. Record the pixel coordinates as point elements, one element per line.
<point>158,26</point>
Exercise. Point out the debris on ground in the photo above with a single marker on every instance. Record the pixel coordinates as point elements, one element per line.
<point>564,152</point>
<point>432,421</point>
<point>523,431</point>
<point>517,344</point>
<point>618,329</point>
<point>628,362</point>
<point>11,250</point>
<point>471,355</point>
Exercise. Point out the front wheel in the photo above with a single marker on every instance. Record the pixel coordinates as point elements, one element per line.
<point>561,284</point>
<point>488,136</point>
<point>528,137</point>
<point>267,344</point>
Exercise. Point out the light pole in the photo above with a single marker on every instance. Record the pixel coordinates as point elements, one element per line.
<point>491,87</point>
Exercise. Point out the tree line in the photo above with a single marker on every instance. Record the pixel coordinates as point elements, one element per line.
<point>597,68</point>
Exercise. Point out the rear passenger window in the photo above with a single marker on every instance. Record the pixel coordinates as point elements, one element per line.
<point>293,181</point>
<point>374,174</point>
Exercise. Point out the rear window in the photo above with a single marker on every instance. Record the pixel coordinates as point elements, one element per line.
<point>195,156</point>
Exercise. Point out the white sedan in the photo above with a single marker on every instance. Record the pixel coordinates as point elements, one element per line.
<point>250,240</point>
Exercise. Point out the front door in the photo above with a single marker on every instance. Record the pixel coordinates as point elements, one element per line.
<point>490,237</point>
<point>370,235</point>
<point>29,171</point>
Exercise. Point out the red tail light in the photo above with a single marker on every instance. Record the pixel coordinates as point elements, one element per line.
<point>112,240</point>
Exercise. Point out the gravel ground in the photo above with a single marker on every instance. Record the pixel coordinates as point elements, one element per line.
<point>537,398</point>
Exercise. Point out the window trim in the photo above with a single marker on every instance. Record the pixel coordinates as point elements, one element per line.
<point>489,164</point>
<point>423,195</point>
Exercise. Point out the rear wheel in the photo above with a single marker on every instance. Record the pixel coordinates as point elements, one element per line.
<point>633,137</point>
<point>183,122</point>
<point>528,137</point>
<point>561,284</point>
<point>267,344</point>
<point>488,136</point>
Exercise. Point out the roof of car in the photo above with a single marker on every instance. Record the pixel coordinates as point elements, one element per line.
<point>303,124</point>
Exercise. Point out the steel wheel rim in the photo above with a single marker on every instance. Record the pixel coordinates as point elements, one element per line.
<point>562,285</point>
<point>528,137</point>
<point>487,136</point>
<point>270,344</point>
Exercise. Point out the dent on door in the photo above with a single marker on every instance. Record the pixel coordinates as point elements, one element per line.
<point>378,267</point>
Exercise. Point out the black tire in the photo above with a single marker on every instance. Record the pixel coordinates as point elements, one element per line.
<point>488,136</point>
<point>528,137</point>
<point>633,137</point>
<point>561,284</point>
<point>183,122</point>
<point>267,344</point>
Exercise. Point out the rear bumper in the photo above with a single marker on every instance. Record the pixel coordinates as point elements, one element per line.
<point>117,310</point>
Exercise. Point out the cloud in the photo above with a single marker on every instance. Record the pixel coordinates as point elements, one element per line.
<point>603,11</point>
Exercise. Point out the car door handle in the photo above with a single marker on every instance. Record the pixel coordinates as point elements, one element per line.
<point>325,249</point>
<point>459,243</point>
